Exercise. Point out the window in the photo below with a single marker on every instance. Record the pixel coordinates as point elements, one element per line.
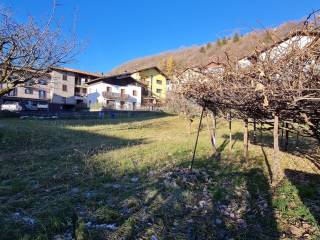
<point>108,89</point>
<point>123,92</point>
<point>64,88</point>
<point>28,90</point>
<point>159,91</point>
<point>84,90</point>
<point>78,80</point>
<point>43,82</point>
<point>134,92</point>
<point>64,77</point>
<point>122,104</point>
<point>159,82</point>
<point>42,94</point>
<point>13,93</point>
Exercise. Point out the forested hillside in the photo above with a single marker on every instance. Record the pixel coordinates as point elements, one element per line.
<point>236,46</point>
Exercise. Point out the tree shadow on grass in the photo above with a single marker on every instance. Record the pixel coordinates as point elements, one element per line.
<point>305,147</point>
<point>308,186</point>
<point>46,171</point>
<point>233,204</point>
<point>222,145</point>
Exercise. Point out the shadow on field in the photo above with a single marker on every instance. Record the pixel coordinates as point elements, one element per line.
<point>308,186</point>
<point>233,205</point>
<point>46,171</point>
<point>116,118</point>
<point>302,146</point>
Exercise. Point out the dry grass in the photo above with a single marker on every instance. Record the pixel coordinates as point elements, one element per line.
<point>64,174</point>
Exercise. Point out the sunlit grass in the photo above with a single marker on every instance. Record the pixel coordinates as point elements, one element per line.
<point>49,168</point>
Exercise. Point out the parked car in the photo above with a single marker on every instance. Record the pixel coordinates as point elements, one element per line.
<point>11,106</point>
<point>43,106</point>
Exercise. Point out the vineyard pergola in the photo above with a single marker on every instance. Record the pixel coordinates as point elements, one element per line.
<point>277,84</point>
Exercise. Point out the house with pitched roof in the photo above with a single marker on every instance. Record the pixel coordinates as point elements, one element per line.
<point>119,92</point>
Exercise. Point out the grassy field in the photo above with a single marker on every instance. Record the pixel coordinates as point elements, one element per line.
<point>127,179</point>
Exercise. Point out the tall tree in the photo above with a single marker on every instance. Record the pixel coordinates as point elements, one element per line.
<point>170,66</point>
<point>28,50</point>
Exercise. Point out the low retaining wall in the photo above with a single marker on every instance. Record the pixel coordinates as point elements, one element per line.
<point>79,115</point>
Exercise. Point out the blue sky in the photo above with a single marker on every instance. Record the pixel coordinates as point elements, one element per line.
<point>116,31</point>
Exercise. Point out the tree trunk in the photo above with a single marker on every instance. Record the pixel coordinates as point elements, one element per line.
<point>245,140</point>
<point>276,160</point>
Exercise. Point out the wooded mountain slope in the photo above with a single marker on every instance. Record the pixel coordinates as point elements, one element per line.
<point>237,47</point>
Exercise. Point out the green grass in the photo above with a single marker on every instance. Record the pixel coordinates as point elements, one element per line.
<point>66,173</point>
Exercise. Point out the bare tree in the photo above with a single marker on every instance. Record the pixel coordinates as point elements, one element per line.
<point>28,50</point>
<point>280,83</point>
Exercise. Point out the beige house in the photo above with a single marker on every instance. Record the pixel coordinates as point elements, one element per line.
<point>62,88</point>
<point>69,86</point>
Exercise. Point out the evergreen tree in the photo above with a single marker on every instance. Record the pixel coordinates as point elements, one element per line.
<point>202,49</point>
<point>219,42</point>
<point>236,37</point>
<point>224,41</point>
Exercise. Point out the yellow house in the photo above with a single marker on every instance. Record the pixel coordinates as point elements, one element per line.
<point>157,83</point>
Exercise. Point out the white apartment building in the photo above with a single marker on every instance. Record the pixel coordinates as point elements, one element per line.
<point>114,92</point>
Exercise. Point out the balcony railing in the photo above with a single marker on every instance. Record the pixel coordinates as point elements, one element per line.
<point>112,95</point>
<point>78,94</point>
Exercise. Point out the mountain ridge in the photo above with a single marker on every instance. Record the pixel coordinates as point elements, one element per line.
<point>199,55</point>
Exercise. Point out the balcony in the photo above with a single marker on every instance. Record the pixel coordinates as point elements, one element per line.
<point>79,94</point>
<point>116,96</point>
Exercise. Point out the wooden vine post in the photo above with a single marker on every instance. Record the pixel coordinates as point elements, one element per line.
<point>245,140</point>
<point>214,131</point>
<point>276,160</point>
<point>230,132</point>
<point>254,131</point>
<point>197,138</point>
<point>211,131</point>
<point>286,143</point>
<point>261,133</point>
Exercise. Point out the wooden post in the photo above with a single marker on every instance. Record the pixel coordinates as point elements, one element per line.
<point>196,143</point>
<point>261,133</point>
<point>245,140</point>
<point>286,143</point>
<point>230,133</point>
<point>254,131</point>
<point>214,130</point>
<point>281,139</point>
<point>297,140</point>
<point>276,160</point>
<point>211,133</point>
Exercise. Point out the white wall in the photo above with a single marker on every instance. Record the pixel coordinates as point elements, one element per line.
<point>95,94</point>
<point>280,49</point>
